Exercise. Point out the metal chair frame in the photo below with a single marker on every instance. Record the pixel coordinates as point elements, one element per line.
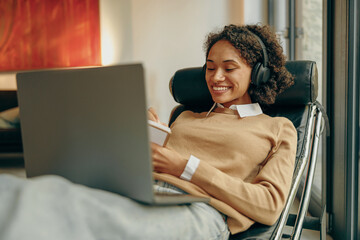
<point>308,159</point>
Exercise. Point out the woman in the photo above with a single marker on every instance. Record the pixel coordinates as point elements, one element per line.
<point>242,160</point>
<point>234,154</point>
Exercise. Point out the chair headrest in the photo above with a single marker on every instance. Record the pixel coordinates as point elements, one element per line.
<point>188,86</point>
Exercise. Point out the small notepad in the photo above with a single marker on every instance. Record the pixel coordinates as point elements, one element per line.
<point>158,133</point>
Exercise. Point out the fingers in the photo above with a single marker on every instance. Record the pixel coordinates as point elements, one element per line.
<point>152,115</point>
<point>167,160</point>
<point>154,147</point>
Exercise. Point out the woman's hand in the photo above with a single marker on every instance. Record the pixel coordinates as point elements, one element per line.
<point>166,160</point>
<point>152,115</point>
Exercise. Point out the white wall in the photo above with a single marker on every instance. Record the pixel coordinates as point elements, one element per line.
<point>169,35</point>
<point>164,35</point>
<point>255,11</point>
<point>116,31</point>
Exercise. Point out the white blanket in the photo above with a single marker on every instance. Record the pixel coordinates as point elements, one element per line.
<point>53,208</point>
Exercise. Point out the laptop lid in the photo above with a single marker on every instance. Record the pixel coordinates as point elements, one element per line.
<point>88,125</point>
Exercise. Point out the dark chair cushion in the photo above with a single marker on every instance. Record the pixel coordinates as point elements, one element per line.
<point>255,232</point>
<point>305,89</point>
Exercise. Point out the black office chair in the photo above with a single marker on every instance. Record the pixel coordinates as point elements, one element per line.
<point>298,103</point>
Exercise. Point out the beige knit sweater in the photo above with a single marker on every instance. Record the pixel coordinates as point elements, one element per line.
<point>246,164</point>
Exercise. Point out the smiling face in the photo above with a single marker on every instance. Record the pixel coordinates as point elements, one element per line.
<point>227,76</point>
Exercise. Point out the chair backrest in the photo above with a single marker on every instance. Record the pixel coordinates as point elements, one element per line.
<point>188,86</point>
<point>189,89</point>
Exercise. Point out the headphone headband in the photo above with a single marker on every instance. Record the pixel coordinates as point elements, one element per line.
<point>263,48</point>
<point>260,73</point>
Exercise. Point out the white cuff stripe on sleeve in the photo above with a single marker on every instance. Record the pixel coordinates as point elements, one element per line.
<point>190,168</point>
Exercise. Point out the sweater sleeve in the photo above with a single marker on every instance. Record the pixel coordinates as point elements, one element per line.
<point>264,198</point>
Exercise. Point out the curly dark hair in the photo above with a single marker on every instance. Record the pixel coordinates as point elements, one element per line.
<point>243,39</point>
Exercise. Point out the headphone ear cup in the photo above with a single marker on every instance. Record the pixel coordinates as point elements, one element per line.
<point>260,74</point>
<point>255,74</point>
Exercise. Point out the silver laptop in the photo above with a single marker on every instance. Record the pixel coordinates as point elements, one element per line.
<point>89,125</point>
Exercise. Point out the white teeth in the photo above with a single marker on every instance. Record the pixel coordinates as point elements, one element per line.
<point>220,88</point>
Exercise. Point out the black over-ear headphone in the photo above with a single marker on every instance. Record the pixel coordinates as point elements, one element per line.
<point>260,72</point>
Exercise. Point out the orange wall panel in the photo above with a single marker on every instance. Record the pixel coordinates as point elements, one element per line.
<point>46,34</point>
